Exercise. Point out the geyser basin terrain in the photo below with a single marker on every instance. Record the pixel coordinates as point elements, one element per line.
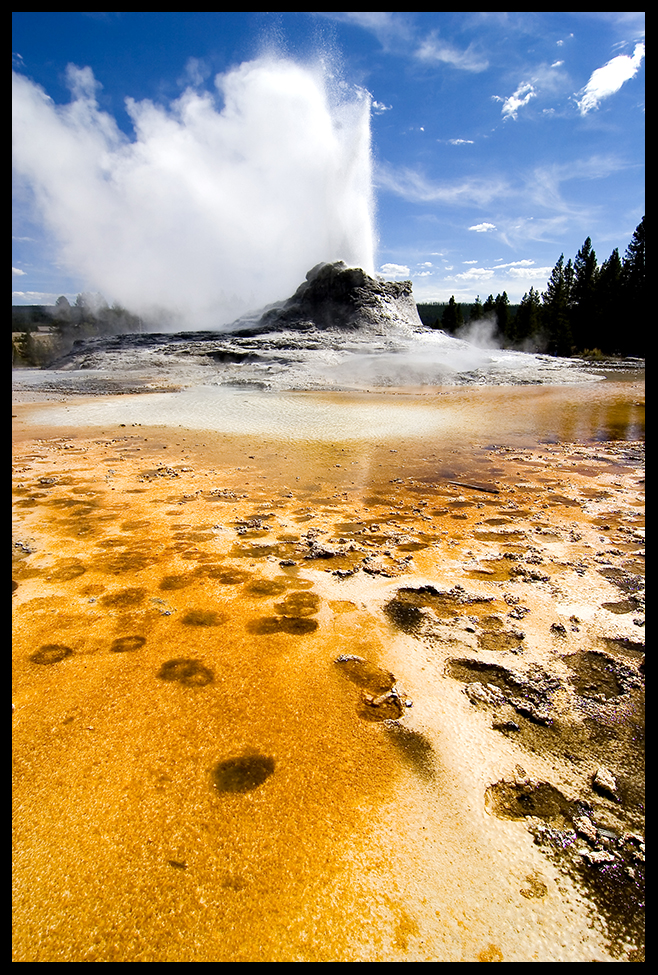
<point>342,329</point>
<point>337,676</point>
<point>306,700</point>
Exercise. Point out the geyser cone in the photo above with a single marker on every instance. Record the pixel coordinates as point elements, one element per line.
<point>337,296</point>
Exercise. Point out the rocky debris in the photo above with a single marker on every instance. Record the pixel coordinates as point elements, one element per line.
<point>412,609</point>
<point>484,693</point>
<point>321,550</point>
<point>529,693</point>
<point>25,547</point>
<point>598,857</point>
<point>585,827</point>
<point>605,781</point>
<point>380,565</point>
<point>628,582</point>
<point>381,699</point>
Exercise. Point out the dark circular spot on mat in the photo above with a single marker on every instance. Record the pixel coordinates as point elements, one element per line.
<point>124,644</point>
<point>191,673</point>
<point>299,604</point>
<point>516,800</point>
<point>202,617</point>
<point>368,676</point>
<point>404,615</point>
<point>227,577</point>
<point>176,582</point>
<point>265,625</point>
<point>624,606</point>
<point>124,597</point>
<point>595,675</point>
<point>243,773</point>
<point>14,585</point>
<point>67,571</point>
<point>130,561</point>
<point>51,653</point>
<point>265,587</point>
<point>295,625</point>
<point>500,641</point>
<point>415,749</point>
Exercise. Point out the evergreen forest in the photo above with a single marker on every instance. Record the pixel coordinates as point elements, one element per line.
<point>587,309</point>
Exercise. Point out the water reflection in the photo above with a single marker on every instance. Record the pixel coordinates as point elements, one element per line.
<point>514,415</point>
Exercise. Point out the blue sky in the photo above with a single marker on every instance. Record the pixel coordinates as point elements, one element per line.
<point>499,140</point>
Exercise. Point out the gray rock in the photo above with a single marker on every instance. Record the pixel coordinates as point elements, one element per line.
<point>337,296</point>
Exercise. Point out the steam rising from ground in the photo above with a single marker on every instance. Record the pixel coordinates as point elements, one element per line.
<point>222,201</point>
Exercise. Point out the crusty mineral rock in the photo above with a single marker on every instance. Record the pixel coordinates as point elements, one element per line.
<point>605,780</point>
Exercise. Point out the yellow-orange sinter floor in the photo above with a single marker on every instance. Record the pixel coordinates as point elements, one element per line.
<point>310,700</point>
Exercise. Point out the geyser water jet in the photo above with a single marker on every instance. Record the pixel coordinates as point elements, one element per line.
<point>220,203</point>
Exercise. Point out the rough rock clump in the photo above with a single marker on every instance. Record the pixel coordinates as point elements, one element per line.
<point>337,296</point>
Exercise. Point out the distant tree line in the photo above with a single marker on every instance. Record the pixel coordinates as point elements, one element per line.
<point>41,333</point>
<point>586,309</point>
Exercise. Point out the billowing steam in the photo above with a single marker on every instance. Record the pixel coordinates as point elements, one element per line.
<point>221,202</point>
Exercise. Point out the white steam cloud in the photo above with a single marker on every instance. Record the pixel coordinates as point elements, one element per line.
<point>219,205</point>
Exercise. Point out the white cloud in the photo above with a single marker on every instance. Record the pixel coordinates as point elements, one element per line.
<point>16,272</point>
<point>379,108</point>
<point>416,187</point>
<point>514,102</point>
<point>483,228</point>
<point>470,262</point>
<point>476,274</point>
<point>395,270</point>
<point>607,80</point>
<point>434,49</point>
<point>461,142</point>
<point>530,273</point>
<point>392,29</point>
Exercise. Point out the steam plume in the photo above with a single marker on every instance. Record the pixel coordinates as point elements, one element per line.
<point>222,201</point>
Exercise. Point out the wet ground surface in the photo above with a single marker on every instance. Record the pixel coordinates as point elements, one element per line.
<point>326,701</point>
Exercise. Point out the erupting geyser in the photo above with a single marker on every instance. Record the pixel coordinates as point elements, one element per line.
<point>220,203</point>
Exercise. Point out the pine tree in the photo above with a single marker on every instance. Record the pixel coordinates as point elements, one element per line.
<point>608,304</point>
<point>555,308</point>
<point>584,326</point>
<point>452,316</point>
<point>503,317</point>
<point>476,310</point>
<point>633,292</point>
<point>527,321</point>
